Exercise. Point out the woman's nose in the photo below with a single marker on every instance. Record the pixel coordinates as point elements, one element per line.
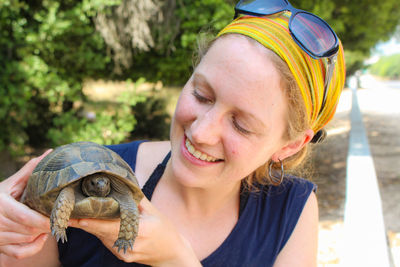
<point>207,128</point>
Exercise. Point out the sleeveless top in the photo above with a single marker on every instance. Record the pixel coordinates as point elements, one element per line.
<point>267,218</point>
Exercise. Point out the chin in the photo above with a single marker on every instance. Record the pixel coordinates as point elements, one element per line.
<point>184,175</point>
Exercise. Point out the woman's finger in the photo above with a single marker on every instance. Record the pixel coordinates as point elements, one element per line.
<point>9,226</point>
<point>17,238</point>
<point>16,183</point>
<point>146,207</point>
<point>106,230</point>
<point>22,215</point>
<point>24,250</point>
<point>101,228</point>
<point>27,169</point>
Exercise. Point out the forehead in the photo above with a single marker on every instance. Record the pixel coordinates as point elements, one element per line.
<point>236,55</point>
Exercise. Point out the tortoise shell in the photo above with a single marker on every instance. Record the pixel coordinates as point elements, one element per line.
<point>68,164</point>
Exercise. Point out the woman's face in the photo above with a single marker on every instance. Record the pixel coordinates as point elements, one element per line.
<point>230,117</point>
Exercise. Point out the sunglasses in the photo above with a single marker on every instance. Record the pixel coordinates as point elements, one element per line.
<point>310,32</point>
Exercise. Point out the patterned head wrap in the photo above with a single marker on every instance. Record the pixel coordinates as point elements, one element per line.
<point>273,33</point>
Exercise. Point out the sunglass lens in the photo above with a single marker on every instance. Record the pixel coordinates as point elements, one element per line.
<point>261,7</point>
<point>313,33</point>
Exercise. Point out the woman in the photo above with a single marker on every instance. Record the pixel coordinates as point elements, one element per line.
<point>220,198</point>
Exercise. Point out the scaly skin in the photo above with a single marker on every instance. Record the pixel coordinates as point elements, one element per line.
<point>129,214</point>
<point>61,212</point>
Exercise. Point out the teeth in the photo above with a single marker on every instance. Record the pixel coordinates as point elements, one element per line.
<point>198,154</point>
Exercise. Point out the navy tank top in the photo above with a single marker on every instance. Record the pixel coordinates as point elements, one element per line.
<point>267,218</point>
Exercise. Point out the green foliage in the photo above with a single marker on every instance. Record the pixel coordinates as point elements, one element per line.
<point>174,65</point>
<point>354,61</point>
<point>152,120</point>
<point>47,48</point>
<point>359,24</point>
<point>107,123</point>
<point>387,67</point>
<point>104,128</point>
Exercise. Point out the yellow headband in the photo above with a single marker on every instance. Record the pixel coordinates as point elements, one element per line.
<point>273,33</point>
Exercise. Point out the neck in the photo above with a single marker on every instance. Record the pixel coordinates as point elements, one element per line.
<point>202,202</point>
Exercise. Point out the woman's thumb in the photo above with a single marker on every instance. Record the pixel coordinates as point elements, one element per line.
<point>145,206</point>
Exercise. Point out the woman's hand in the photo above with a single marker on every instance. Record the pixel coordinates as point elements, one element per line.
<point>158,242</point>
<point>23,231</point>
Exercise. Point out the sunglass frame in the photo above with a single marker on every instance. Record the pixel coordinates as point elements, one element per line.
<point>295,11</point>
<point>330,54</point>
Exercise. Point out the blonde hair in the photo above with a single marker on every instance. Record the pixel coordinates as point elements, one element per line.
<point>297,120</point>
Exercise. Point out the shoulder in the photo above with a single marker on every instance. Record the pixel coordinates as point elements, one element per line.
<point>282,206</point>
<point>143,156</point>
<point>274,219</point>
<point>302,246</point>
<point>292,188</point>
<point>285,201</point>
<point>149,155</point>
<point>289,197</point>
<point>298,204</point>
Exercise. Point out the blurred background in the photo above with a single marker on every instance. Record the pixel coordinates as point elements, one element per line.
<point>110,71</point>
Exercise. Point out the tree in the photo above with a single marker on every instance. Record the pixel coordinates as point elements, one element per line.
<point>125,28</point>
<point>360,24</point>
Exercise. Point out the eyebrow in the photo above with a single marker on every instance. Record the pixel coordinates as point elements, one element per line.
<point>258,123</point>
<point>200,78</point>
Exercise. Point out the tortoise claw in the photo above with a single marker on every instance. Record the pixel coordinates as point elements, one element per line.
<point>123,244</point>
<point>59,234</point>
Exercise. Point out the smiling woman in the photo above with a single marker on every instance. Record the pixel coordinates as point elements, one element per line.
<point>296,116</point>
<point>230,114</point>
<point>249,110</point>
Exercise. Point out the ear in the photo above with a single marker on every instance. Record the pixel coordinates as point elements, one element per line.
<point>294,146</point>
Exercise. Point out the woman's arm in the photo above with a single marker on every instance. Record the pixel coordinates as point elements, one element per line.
<point>302,246</point>
<point>46,257</point>
<point>23,231</point>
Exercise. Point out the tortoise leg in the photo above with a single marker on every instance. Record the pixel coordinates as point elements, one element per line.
<point>129,215</point>
<point>61,212</point>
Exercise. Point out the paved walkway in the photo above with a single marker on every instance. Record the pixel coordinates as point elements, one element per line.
<point>363,206</point>
<point>380,107</point>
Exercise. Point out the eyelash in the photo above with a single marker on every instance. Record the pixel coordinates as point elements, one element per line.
<point>239,128</point>
<point>203,99</point>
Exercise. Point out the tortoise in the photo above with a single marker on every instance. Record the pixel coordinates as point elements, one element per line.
<point>85,180</point>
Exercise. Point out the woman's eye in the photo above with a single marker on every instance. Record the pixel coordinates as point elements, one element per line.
<point>239,128</point>
<point>201,98</point>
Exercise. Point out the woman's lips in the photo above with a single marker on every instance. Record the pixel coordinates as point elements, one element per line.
<point>195,156</point>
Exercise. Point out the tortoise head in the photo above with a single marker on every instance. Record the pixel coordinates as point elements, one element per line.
<point>96,185</point>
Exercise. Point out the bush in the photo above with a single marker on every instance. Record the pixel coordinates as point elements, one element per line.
<point>387,67</point>
<point>153,122</point>
<point>46,50</point>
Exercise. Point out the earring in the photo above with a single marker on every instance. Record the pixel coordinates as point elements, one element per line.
<point>276,180</point>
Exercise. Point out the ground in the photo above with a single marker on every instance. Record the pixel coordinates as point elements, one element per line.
<point>379,105</point>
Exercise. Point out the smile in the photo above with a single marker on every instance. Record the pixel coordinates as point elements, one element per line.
<point>198,154</point>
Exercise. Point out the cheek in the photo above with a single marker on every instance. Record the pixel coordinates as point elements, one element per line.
<point>235,145</point>
<point>249,154</point>
<point>234,151</point>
